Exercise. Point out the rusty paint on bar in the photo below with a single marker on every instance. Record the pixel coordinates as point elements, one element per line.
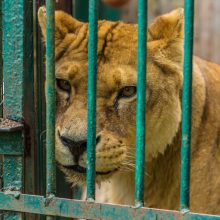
<point>15,61</point>
<point>80,209</point>
<point>50,100</point>
<point>50,95</point>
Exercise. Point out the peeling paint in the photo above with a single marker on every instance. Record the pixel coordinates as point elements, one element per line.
<point>82,209</point>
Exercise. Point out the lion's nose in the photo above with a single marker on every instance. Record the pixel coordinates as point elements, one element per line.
<point>76,147</point>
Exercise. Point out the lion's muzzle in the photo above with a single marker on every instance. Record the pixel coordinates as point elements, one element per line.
<point>77,148</point>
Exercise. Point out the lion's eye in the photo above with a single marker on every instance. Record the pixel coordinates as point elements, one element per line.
<point>127,92</point>
<point>63,85</point>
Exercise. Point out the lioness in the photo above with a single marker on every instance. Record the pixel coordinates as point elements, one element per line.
<point>116,106</point>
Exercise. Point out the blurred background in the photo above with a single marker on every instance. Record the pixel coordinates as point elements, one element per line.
<point>207,23</point>
<point>207,19</point>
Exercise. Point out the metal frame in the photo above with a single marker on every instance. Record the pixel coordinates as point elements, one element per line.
<point>141,103</point>
<point>90,210</point>
<point>186,106</point>
<point>17,65</point>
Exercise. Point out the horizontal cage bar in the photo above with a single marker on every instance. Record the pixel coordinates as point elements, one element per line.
<point>80,209</point>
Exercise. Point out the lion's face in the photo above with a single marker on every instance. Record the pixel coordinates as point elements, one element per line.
<point>116,93</point>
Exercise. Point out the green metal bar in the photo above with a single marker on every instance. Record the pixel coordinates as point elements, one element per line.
<point>1,63</point>
<point>92,70</point>
<point>141,103</point>
<point>87,210</point>
<point>16,62</point>
<point>13,19</point>
<point>13,165</point>
<point>1,96</point>
<point>13,181</point>
<point>50,97</point>
<point>186,105</point>
<point>50,100</point>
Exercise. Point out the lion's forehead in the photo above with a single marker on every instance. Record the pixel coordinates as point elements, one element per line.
<point>117,42</point>
<point>109,76</point>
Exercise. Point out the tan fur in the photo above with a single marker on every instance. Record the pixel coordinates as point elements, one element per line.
<point>117,43</point>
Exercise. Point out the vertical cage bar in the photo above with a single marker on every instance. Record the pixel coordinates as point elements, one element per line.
<point>1,96</point>
<point>186,105</point>
<point>16,62</point>
<point>92,70</point>
<point>12,177</point>
<point>40,104</point>
<point>29,107</point>
<point>50,97</point>
<point>1,63</point>
<point>13,50</point>
<point>141,102</point>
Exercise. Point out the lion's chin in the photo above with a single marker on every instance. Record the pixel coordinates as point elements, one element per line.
<point>76,175</point>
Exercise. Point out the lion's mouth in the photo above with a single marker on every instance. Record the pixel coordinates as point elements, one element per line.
<point>79,169</point>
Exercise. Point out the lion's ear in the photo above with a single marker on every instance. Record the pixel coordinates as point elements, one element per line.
<point>64,23</point>
<point>168,26</point>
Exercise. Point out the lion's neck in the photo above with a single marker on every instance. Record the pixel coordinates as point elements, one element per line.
<point>161,179</point>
